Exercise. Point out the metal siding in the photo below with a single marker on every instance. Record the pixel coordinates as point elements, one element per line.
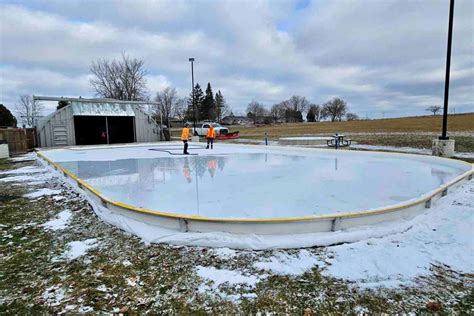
<point>146,130</point>
<point>47,129</point>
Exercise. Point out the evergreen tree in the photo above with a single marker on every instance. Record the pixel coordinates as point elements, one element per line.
<point>208,108</point>
<point>311,117</point>
<point>62,104</point>
<point>6,117</point>
<point>198,99</point>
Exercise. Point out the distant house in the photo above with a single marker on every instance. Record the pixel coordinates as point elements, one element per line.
<point>235,120</point>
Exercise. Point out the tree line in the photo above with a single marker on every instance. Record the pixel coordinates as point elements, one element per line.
<point>291,111</point>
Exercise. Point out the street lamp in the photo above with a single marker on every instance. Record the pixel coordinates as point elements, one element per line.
<point>192,82</point>
<point>448,66</point>
<point>443,146</point>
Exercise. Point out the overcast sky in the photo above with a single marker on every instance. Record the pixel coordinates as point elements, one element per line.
<point>383,57</point>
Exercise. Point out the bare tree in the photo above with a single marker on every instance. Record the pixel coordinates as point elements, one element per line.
<point>223,109</point>
<point>255,111</point>
<point>352,117</point>
<point>28,110</point>
<point>277,112</point>
<point>226,110</point>
<point>334,109</point>
<point>434,109</point>
<point>123,79</point>
<point>298,104</point>
<point>181,108</point>
<point>166,107</point>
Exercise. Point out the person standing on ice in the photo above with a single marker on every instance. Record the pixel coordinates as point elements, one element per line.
<point>185,138</point>
<point>211,135</point>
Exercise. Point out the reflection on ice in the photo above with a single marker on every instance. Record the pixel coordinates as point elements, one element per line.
<point>262,185</point>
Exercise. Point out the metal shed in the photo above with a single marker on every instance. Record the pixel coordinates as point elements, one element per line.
<point>96,121</point>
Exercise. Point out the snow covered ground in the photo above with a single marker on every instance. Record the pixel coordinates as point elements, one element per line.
<point>391,257</point>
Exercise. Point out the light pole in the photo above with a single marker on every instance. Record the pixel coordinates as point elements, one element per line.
<point>443,146</point>
<point>448,66</point>
<point>192,82</point>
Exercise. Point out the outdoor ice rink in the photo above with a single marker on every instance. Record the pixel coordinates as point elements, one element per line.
<point>255,182</point>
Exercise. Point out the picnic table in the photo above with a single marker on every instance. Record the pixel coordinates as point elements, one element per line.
<point>339,140</point>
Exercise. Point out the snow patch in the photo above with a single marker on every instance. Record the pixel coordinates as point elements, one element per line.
<point>218,277</point>
<point>53,295</point>
<point>59,222</point>
<point>286,264</point>
<point>79,248</point>
<point>225,253</point>
<point>23,158</point>
<point>85,309</point>
<point>222,276</point>
<point>41,193</point>
<point>28,169</point>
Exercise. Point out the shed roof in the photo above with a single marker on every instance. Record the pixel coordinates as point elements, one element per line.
<point>102,109</point>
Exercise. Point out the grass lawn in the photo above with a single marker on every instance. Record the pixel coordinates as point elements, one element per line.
<point>430,124</point>
<point>417,132</point>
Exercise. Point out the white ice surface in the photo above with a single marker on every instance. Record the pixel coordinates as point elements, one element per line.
<point>79,248</point>
<point>60,221</point>
<point>235,181</point>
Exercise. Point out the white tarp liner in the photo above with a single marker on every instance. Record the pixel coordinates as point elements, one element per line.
<point>102,109</point>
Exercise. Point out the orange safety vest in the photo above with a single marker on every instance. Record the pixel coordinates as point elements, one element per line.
<point>211,133</point>
<point>185,134</point>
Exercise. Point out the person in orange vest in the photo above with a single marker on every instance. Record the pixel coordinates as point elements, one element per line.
<point>185,138</point>
<point>211,135</point>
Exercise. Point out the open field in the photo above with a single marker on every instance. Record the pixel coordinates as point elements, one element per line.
<point>43,271</point>
<point>456,123</point>
<point>417,132</point>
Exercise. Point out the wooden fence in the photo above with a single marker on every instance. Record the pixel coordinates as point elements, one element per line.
<point>19,140</point>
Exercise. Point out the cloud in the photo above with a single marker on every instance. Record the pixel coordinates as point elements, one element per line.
<point>380,56</point>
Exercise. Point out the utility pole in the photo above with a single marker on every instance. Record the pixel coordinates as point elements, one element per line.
<point>194,103</point>
<point>443,146</point>
<point>448,66</point>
